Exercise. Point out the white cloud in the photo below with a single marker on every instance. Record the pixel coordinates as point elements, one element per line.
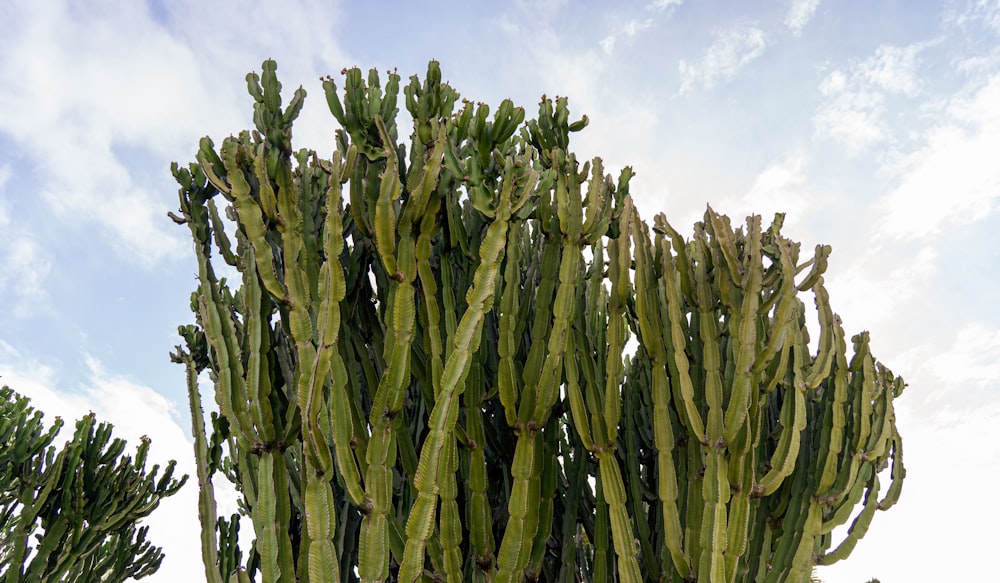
<point>834,83</point>
<point>634,26</point>
<point>92,95</point>
<point>984,11</point>
<point>853,120</point>
<point>973,359</point>
<point>893,69</point>
<point>24,266</point>
<point>23,269</point>
<point>799,15</point>
<point>855,101</point>
<point>953,178</point>
<point>732,49</point>
<point>629,30</point>
<point>874,289</point>
<point>782,186</point>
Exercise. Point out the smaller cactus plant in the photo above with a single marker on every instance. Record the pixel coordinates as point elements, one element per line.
<point>72,514</point>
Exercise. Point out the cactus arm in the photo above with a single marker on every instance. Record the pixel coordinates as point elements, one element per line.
<point>683,262</point>
<point>858,528</point>
<point>601,571</point>
<point>783,312</point>
<point>746,338</point>
<point>802,561</point>
<point>449,525</point>
<point>258,380</point>
<point>738,521</point>
<point>621,523</point>
<point>266,522</point>
<point>320,510</point>
<point>507,377</point>
<point>385,217</point>
<point>818,266</point>
<point>714,539</point>
<point>220,332</point>
<point>578,408</point>
<point>848,489</point>
<point>827,343</point>
<point>620,258</point>
<point>479,514</point>
<point>547,493</point>
<point>212,166</point>
<point>539,372</point>
<point>570,216</point>
<point>540,329</point>
<point>268,198</point>
<point>382,449</point>
<point>897,474</point>
<point>683,386</point>
<point>323,564</point>
<point>833,435</point>
<point>342,423</point>
<point>219,234</point>
<point>428,287</point>
<point>637,379</point>
<point>206,492</point>
<point>443,416</point>
<point>793,421</point>
<point>651,333</point>
<point>250,219</point>
<point>709,336</point>
<point>576,476</point>
<point>520,531</point>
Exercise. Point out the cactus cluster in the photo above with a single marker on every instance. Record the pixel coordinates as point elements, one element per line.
<point>471,360</point>
<point>72,513</point>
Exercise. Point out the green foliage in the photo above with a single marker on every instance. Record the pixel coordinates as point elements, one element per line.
<point>468,359</point>
<point>72,514</point>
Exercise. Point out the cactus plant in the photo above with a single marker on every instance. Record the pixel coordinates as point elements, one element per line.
<point>72,514</point>
<point>469,359</point>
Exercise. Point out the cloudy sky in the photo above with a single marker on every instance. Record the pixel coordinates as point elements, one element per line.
<point>874,124</point>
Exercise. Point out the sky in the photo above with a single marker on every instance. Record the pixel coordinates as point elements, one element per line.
<point>875,125</point>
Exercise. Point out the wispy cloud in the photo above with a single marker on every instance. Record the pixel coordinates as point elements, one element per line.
<point>799,14</point>
<point>23,265</point>
<point>892,69</point>
<point>782,186</point>
<point>23,270</point>
<point>851,112</point>
<point>953,178</point>
<point>633,26</point>
<point>731,50</point>
<point>986,12</point>
<point>973,358</point>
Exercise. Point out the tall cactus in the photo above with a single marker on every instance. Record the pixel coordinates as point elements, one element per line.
<point>72,513</point>
<point>470,359</point>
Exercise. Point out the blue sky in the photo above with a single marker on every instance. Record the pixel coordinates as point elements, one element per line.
<point>874,124</point>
